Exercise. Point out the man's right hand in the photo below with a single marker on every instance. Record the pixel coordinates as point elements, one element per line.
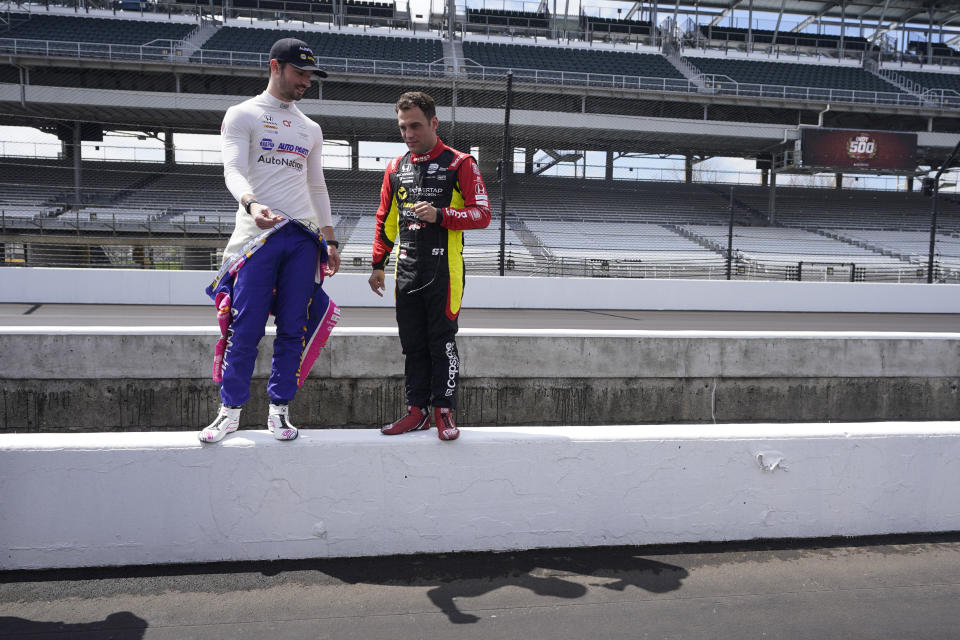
<point>377,282</point>
<point>263,217</point>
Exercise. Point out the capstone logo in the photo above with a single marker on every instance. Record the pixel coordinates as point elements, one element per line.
<point>452,368</point>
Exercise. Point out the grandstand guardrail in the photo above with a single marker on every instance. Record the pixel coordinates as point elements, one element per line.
<point>900,58</point>
<point>176,49</point>
<point>576,78</point>
<point>725,86</point>
<point>712,83</point>
<point>78,50</point>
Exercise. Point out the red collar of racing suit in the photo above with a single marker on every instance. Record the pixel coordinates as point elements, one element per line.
<point>432,155</point>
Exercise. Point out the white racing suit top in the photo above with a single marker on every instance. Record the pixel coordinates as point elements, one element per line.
<point>272,150</point>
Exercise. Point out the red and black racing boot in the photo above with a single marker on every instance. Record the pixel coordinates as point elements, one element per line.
<point>446,427</point>
<point>416,419</point>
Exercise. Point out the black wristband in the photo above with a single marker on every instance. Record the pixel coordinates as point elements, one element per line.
<point>333,243</point>
<point>246,205</point>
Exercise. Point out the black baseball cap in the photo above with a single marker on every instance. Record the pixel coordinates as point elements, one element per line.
<point>297,53</point>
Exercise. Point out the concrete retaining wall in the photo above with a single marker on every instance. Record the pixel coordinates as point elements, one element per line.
<point>124,286</point>
<point>92,379</point>
<point>151,498</point>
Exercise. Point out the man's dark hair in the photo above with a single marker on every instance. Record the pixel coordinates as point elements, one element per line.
<point>417,99</point>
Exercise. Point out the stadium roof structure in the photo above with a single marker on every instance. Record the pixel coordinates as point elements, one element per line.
<point>894,12</point>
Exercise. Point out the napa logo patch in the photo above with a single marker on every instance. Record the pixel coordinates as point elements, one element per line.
<point>266,144</point>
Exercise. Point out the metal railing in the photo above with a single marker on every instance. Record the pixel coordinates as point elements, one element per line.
<point>172,51</point>
<point>711,83</point>
<point>891,58</point>
<point>96,50</point>
<point>724,85</point>
<point>476,71</point>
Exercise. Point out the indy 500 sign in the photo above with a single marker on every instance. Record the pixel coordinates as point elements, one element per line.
<point>861,148</point>
<point>845,149</point>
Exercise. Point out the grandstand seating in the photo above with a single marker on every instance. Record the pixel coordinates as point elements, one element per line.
<point>552,199</point>
<point>930,80</point>
<point>616,26</point>
<point>909,245</point>
<point>484,20</point>
<point>793,74</point>
<point>369,9</point>
<point>794,253</point>
<point>850,208</point>
<point>286,6</point>
<point>556,226</point>
<point>97,30</point>
<point>49,184</point>
<point>329,45</point>
<point>940,50</point>
<point>785,38</point>
<point>516,56</point>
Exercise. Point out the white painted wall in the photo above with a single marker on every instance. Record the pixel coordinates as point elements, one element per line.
<point>150,498</point>
<point>118,286</point>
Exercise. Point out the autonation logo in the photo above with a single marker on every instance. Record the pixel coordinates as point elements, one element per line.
<point>293,164</point>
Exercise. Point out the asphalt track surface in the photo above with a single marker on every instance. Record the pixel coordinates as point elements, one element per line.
<point>885,587</point>
<point>139,316</point>
<point>902,587</point>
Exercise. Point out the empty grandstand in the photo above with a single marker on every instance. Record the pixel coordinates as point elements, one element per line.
<point>791,74</point>
<point>58,28</point>
<point>622,84</point>
<point>726,37</point>
<point>506,21</point>
<point>255,41</point>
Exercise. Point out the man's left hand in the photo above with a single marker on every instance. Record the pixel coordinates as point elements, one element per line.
<point>333,260</point>
<point>425,212</point>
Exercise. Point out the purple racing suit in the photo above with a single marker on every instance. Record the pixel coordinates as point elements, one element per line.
<point>280,272</point>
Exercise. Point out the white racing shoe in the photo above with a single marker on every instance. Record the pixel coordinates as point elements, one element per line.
<point>278,421</point>
<point>227,421</point>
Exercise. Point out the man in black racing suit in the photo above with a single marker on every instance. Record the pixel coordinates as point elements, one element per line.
<point>428,197</point>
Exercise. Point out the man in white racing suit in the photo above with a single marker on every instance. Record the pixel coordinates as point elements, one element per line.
<point>284,227</point>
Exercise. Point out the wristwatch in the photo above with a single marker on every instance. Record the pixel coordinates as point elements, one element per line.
<point>246,205</point>
<point>333,243</point>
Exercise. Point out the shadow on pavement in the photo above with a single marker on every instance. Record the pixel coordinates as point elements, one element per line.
<point>122,625</point>
<point>550,573</point>
<point>550,576</point>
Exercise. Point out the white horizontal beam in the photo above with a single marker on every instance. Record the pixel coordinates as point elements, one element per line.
<point>154,498</point>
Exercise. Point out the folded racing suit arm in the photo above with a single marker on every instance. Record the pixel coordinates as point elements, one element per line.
<point>475,213</point>
<point>235,149</point>
<point>387,220</point>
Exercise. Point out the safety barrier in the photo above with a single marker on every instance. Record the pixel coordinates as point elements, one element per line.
<point>151,498</point>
